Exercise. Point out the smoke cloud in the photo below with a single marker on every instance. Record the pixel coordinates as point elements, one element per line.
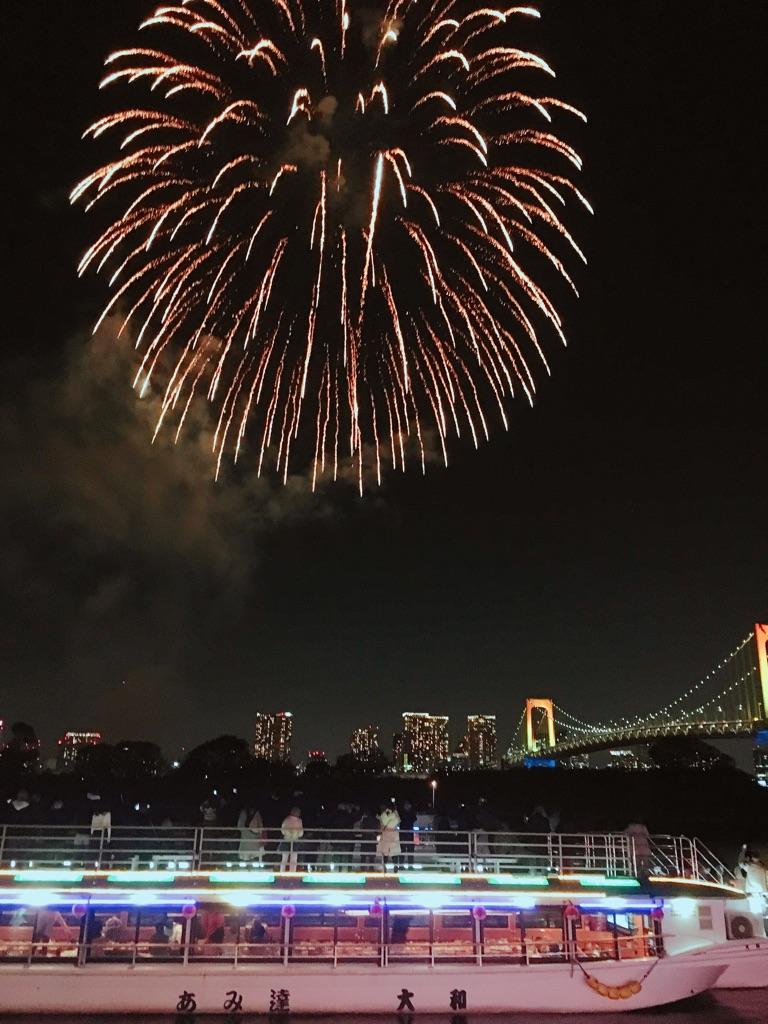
<point>123,558</point>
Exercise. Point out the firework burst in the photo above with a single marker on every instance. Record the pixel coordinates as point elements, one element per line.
<point>327,222</point>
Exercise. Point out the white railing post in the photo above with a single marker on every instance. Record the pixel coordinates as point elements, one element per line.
<point>694,859</point>
<point>187,938</point>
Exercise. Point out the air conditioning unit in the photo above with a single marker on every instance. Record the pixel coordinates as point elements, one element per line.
<point>743,924</point>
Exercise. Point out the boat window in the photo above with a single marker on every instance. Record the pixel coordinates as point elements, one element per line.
<point>38,933</point>
<point>542,917</point>
<point>453,935</point>
<point>499,921</point>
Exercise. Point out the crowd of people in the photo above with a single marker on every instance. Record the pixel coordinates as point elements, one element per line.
<point>291,832</point>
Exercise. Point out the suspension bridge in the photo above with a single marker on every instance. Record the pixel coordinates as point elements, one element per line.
<point>730,701</point>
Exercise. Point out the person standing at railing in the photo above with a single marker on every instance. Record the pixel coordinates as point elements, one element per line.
<point>540,847</point>
<point>640,842</point>
<point>342,836</point>
<point>752,871</point>
<point>407,821</point>
<point>388,847</point>
<point>292,829</point>
<point>366,827</point>
<point>209,812</point>
<point>252,836</point>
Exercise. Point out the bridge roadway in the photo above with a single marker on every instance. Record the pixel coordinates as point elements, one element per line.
<point>588,743</point>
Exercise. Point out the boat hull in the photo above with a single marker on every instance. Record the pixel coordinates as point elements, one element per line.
<point>746,963</point>
<point>214,989</point>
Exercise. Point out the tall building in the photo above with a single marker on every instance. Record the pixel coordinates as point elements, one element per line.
<point>272,741</point>
<point>71,742</point>
<point>425,742</point>
<point>397,751</point>
<point>364,743</point>
<point>481,741</point>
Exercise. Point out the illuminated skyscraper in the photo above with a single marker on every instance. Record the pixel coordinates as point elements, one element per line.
<point>71,742</point>
<point>272,741</point>
<point>481,741</point>
<point>397,751</point>
<point>425,742</point>
<point>364,743</point>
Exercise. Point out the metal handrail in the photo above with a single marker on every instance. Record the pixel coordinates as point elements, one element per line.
<point>523,950</point>
<point>478,851</point>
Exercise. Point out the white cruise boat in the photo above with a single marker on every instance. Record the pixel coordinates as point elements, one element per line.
<point>154,921</point>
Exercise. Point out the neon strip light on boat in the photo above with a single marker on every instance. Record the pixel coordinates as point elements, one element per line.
<point>601,880</point>
<point>237,877</point>
<point>425,878</point>
<point>155,877</point>
<point>331,878</point>
<point>697,884</point>
<point>40,875</point>
<point>277,897</point>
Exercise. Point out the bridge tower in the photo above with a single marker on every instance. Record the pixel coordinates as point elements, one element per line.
<point>761,639</point>
<point>539,728</point>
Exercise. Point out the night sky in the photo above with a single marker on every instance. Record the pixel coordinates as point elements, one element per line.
<point>606,552</point>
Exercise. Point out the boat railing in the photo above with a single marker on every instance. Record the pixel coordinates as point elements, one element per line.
<point>526,951</point>
<point>355,850</point>
<point>681,857</point>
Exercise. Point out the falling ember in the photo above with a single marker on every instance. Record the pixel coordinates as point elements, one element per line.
<point>336,236</point>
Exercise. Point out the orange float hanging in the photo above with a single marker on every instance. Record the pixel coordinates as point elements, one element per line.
<point>625,991</point>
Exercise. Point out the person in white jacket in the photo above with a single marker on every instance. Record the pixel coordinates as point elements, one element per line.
<point>388,846</point>
<point>753,872</point>
<point>292,829</point>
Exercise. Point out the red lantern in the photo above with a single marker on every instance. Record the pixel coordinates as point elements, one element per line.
<point>376,909</point>
<point>79,910</point>
<point>479,913</point>
<point>189,910</point>
<point>571,913</point>
<point>657,914</point>
<point>288,911</point>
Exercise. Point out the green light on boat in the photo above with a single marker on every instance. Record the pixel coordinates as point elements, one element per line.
<point>529,881</point>
<point>231,877</point>
<point>333,878</point>
<point>48,876</point>
<point>424,878</point>
<point>156,877</point>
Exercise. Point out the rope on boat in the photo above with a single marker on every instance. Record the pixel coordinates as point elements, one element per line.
<point>625,991</point>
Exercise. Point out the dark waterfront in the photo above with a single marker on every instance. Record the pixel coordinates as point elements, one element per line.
<point>745,1007</point>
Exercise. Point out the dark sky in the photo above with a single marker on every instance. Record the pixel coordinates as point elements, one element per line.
<point>606,552</point>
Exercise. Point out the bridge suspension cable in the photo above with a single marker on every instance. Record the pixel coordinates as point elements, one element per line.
<point>739,697</point>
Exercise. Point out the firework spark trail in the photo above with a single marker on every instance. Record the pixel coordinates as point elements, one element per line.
<point>332,231</point>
